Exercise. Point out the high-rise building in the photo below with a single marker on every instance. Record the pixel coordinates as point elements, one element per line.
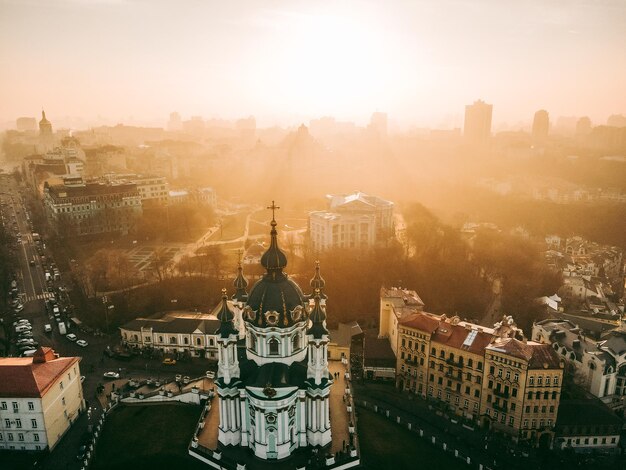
<point>477,126</point>
<point>541,126</point>
<point>26,124</point>
<point>175,123</point>
<point>583,126</point>
<point>45,126</point>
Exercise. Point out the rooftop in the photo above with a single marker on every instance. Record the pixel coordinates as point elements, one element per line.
<point>538,355</point>
<point>586,413</point>
<point>32,377</point>
<point>177,322</point>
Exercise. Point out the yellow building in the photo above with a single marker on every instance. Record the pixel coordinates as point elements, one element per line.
<point>441,359</point>
<point>40,398</point>
<point>522,389</point>
<point>396,304</point>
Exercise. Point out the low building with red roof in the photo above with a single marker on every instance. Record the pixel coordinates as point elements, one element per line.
<point>40,398</point>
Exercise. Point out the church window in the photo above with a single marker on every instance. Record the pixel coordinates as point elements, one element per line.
<point>253,343</point>
<point>273,343</point>
<point>296,342</point>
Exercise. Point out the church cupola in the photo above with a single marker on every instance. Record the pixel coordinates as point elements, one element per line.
<point>226,317</point>
<point>240,283</point>
<point>317,317</point>
<point>317,282</point>
<point>274,260</point>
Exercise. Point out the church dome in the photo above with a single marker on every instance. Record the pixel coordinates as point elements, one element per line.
<point>275,300</point>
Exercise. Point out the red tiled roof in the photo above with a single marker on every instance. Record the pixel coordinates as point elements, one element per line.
<point>536,354</point>
<point>29,377</point>
<point>421,322</point>
<point>455,336</point>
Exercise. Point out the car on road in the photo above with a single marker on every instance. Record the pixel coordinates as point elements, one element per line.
<point>169,361</point>
<point>18,308</point>
<point>71,336</point>
<point>111,375</point>
<point>47,328</point>
<point>82,343</point>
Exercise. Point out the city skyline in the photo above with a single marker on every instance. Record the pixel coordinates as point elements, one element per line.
<point>289,63</point>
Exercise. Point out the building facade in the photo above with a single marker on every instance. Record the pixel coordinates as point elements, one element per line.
<point>522,389</point>
<point>355,220</point>
<point>77,208</point>
<point>40,398</point>
<point>477,124</point>
<point>190,333</point>
<point>597,366</point>
<point>274,395</point>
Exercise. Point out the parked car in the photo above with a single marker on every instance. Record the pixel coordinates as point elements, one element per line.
<point>71,336</point>
<point>111,375</point>
<point>81,342</point>
<point>20,328</point>
<point>47,328</point>
<point>169,361</point>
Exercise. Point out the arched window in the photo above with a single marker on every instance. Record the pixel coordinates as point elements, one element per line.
<point>273,343</point>
<point>186,340</point>
<point>198,341</point>
<point>253,343</point>
<point>135,338</point>
<point>592,366</point>
<point>295,342</point>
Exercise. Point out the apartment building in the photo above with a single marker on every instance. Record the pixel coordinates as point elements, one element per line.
<point>40,398</point>
<point>396,304</point>
<point>522,389</point>
<point>78,208</point>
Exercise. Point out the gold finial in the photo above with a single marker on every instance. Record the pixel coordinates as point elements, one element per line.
<point>224,292</point>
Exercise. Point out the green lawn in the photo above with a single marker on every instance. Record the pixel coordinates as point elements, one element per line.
<point>151,437</point>
<point>385,444</point>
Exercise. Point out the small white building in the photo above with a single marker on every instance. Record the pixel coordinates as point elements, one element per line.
<point>587,426</point>
<point>40,398</point>
<point>174,332</point>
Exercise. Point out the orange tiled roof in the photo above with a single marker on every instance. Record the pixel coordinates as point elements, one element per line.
<point>455,336</point>
<point>421,322</point>
<point>536,354</point>
<point>31,377</point>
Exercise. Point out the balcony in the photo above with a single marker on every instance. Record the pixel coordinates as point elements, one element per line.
<point>500,393</point>
<point>454,363</point>
<point>500,407</point>
<point>454,376</point>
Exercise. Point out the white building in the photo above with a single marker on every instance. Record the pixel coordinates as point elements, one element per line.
<point>174,332</point>
<point>598,366</point>
<point>40,398</point>
<point>355,220</point>
<point>586,426</point>
<point>274,396</point>
<point>153,190</point>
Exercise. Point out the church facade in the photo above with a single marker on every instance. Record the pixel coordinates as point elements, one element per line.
<point>273,382</point>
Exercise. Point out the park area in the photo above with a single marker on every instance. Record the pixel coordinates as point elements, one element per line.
<point>149,436</point>
<point>384,444</point>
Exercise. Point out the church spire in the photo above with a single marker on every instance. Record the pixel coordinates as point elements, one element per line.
<point>240,283</point>
<point>274,260</point>
<point>226,317</point>
<point>318,282</point>
<point>318,318</point>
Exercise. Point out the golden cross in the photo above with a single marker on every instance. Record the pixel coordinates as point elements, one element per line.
<point>273,207</point>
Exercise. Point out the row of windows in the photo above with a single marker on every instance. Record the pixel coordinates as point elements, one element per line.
<point>172,339</point>
<point>20,436</point>
<point>18,423</point>
<point>457,400</point>
<point>588,440</point>
<point>460,360</point>
<point>16,406</point>
<point>507,375</point>
<point>537,395</point>
<point>541,381</point>
<point>504,360</point>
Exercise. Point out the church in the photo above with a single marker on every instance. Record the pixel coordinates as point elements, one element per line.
<point>273,382</point>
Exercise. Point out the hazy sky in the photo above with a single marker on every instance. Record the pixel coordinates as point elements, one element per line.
<point>285,61</point>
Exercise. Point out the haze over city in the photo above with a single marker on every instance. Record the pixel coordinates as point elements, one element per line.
<point>314,235</point>
<point>287,62</point>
